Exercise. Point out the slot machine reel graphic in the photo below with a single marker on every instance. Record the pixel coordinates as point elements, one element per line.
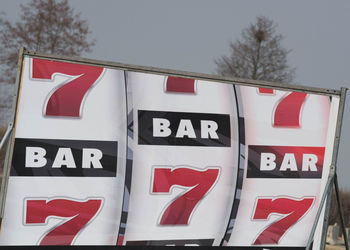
<point>185,160</point>
<point>174,161</point>
<point>66,176</point>
<point>286,142</point>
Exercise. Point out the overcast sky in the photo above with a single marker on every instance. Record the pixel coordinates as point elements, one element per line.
<point>189,35</point>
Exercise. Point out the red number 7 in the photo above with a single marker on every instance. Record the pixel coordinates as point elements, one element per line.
<point>287,112</point>
<point>78,214</point>
<point>67,99</point>
<point>199,182</point>
<point>293,209</point>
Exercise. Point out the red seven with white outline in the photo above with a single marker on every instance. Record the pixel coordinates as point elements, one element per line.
<point>287,111</point>
<point>291,210</point>
<point>199,183</point>
<point>78,214</point>
<point>66,100</point>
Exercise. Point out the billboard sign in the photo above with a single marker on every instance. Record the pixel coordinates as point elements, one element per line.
<point>109,154</point>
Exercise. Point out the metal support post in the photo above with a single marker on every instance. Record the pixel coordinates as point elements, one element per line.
<point>325,220</point>
<point>341,212</point>
<point>328,191</point>
<point>334,160</point>
<point>2,143</point>
<point>6,135</point>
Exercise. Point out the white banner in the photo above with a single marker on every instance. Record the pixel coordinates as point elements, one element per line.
<point>103,156</point>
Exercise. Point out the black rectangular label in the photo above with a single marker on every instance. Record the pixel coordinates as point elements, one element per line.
<point>183,129</point>
<point>285,162</point>
<point>51,157</point>
<point>187,242</point>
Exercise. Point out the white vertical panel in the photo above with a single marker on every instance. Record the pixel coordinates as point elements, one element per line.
<point>103,119</point>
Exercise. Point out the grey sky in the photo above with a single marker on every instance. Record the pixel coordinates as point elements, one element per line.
<point>190,34</point>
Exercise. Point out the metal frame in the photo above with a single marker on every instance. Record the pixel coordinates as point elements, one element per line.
<point>328,190</point>
<point>12,125</point>
<point>5,176</point>
<point>335,181</point>
<point>341,212</point>
<point>326,200</point>
<point>198,76</point>
<point>6,135</point>
<point>332,178</point>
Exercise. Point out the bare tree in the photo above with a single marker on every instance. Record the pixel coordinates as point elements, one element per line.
<point>257,55</point>
<point>49,26</point>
